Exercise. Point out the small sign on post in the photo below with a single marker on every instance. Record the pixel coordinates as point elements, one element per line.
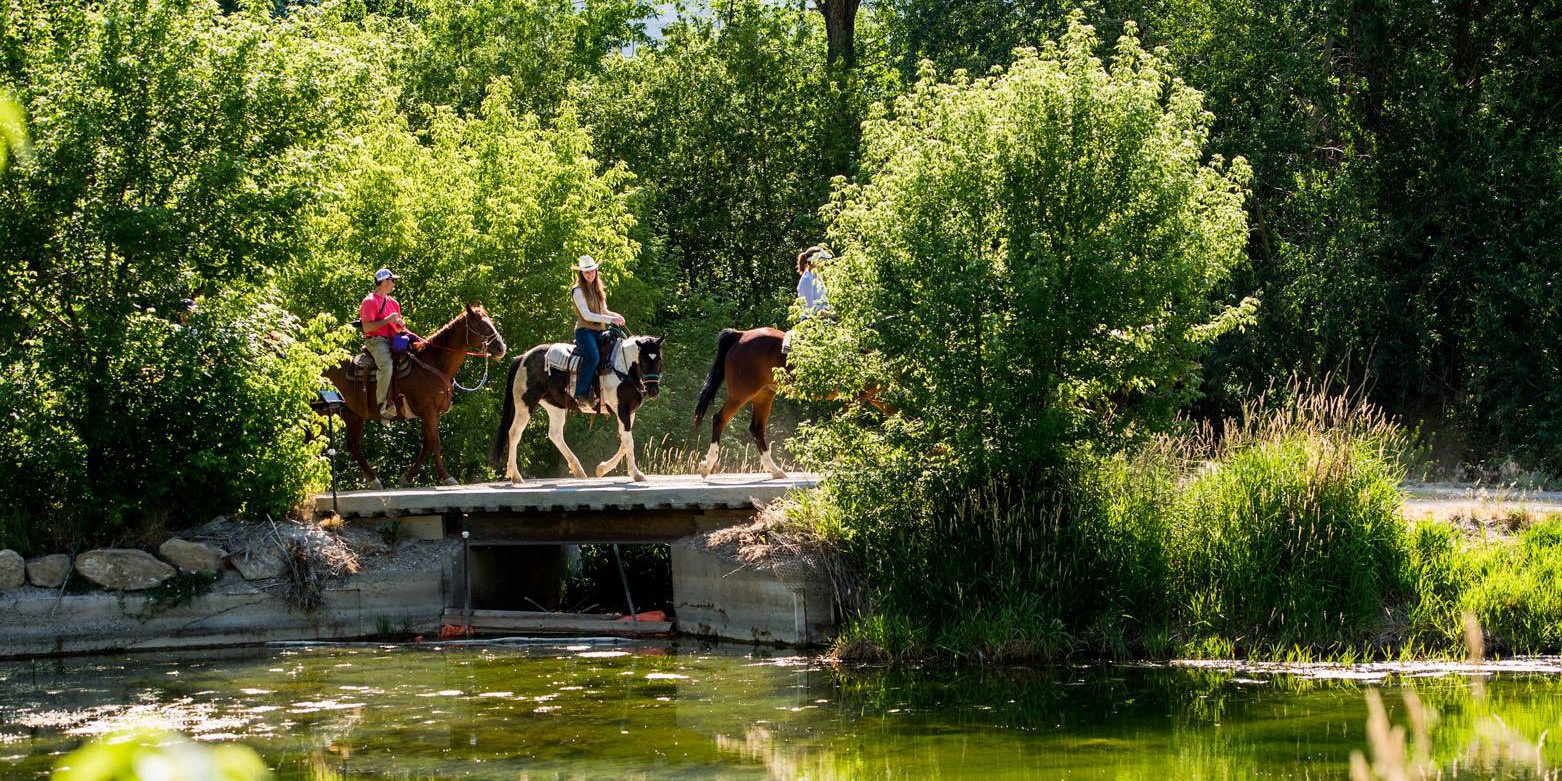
<point>330,404</point>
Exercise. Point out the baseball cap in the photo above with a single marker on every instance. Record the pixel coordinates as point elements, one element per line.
<point>384,274</point>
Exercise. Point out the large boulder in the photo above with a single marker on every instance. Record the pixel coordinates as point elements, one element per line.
<point>123,569</point>
<point>49,571</point>
<point>261,563</point>
<point>192,556</point>
<point>13,569</point>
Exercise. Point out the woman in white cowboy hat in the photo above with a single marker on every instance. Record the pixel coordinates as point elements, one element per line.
<point>591,318</point>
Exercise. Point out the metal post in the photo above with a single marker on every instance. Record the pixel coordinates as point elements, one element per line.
<point>634,615</point>
<point>330,452</point>
<point>466,568</point>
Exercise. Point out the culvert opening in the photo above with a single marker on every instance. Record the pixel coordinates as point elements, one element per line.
<point>574,579</point>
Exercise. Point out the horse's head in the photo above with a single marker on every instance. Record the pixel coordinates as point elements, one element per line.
<point>481,335</point>
<point>650,362</point>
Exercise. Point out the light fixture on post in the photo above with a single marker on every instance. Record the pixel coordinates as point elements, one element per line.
<point>330,404</point>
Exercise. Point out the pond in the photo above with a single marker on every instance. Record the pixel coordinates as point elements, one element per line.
<point>574,709</point>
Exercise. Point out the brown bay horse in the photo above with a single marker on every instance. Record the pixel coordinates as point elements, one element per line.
<point>423,394</point>
<point>747,361</point>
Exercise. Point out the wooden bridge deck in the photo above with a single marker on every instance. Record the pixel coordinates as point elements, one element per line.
<point>571,510</point>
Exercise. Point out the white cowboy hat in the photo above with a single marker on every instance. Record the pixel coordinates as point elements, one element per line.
<point>586,263</point>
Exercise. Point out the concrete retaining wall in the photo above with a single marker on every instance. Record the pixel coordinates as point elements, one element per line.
<point>716,597</point>
<point>39,623</point>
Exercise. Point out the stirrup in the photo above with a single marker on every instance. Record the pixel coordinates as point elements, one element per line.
<point>388,411</point>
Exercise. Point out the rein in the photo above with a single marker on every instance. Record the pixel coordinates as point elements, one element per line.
<point>485,355</point>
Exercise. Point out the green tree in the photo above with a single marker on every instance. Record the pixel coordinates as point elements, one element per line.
<point>456,48</point>
<point>1026,268</point>
<point>726,127</point>
<point>490,209</point>
<point>1022,247</point>
<point>171,160</point>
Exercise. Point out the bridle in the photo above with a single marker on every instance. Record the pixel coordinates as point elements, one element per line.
<point>646,378</point>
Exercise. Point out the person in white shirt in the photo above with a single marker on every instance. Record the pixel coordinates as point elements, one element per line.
<point>809,286</point>
<point>592,317</point>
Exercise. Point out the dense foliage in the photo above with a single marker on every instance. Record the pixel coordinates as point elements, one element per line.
<point>725,128</point>
<point>170,160</point>
<point>1021,250</point>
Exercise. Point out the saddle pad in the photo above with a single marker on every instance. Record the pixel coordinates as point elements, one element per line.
<point>361,368</point>
<point>562,357</point>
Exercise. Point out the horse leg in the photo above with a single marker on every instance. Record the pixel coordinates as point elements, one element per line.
<point>355,446</point>
<point>430,445</point>
<point>626,445</point>
<point>445,478</point>
<point>718,424</point>
<point>523,415</point>
<point>759,414</point>
<point>556,433</point>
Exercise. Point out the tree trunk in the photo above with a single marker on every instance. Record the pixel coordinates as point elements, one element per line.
<point>840,25</point>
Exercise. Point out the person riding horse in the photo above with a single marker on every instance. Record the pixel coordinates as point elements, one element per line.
<point>382,323</point>
<point>810,287</point>
<point>592,317</point>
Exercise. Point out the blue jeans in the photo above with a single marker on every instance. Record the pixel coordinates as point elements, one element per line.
<point>586,348</point>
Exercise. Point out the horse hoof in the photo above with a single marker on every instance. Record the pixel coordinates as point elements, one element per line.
<point>376,485</point>
<point>640,477</point>
<point>602,469</point>
<point>777,474</point>
<point>452,481</point>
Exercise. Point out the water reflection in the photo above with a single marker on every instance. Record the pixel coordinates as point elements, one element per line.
<point>685,711</point>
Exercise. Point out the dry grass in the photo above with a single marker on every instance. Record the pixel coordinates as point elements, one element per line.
<point>1401,755</point>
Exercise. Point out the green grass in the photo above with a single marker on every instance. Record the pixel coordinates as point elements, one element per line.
<point>1276,538</point>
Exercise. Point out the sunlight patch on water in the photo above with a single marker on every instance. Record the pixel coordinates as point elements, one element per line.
<point>601,654</point>
<point>666,677</point>
<point>787,661</point>
<point>323,705</point>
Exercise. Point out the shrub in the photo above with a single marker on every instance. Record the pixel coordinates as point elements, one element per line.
<point>206,417</point>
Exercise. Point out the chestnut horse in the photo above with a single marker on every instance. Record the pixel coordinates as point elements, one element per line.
<point>424,393</point>
<point>747,361</point>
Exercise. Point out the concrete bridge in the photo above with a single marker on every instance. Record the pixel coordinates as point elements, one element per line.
<point>516,553</point>
<point>570,510</point>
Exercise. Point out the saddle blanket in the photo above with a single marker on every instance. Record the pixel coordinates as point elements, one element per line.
<point>361,369</point>
<point>562,357</point>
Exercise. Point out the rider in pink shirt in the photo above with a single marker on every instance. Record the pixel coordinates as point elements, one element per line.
<point>381,317</point>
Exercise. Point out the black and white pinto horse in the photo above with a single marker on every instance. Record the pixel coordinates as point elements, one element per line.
<point>635,375</point>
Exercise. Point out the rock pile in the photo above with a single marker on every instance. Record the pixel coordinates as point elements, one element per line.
<point>259,552</point>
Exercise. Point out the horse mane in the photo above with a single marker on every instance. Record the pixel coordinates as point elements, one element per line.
<point>444,330</point>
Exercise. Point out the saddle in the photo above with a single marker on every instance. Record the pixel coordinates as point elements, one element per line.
<point>563,363</point>
<point>361,368</point>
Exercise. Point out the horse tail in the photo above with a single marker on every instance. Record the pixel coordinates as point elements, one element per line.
<point>718,372</point>
<point>497,455</point>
